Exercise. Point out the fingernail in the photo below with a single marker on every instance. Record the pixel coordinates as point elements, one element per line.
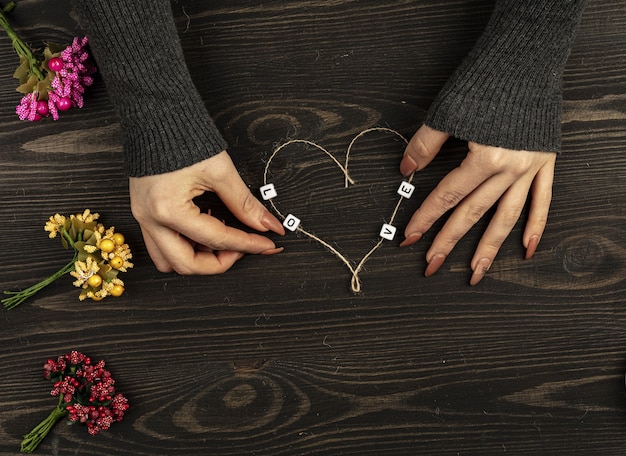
<point>273,251</point>
<point>481,269</point>
<point>434,264</point>
<point>407,165</point>
<point>411,239</point>
<point>532,246</point>
<point>271,223</point>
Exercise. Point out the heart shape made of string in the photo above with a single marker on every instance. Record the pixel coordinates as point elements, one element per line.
<point>355,268</point>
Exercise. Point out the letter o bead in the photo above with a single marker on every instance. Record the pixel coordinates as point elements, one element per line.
<point>291,222</point>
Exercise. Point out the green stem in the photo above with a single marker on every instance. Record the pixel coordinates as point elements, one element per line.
<point>18,297</point>
<point>9,7</point>
<point>34,437</point>
<point>20,47</point>
<point>69,239</point>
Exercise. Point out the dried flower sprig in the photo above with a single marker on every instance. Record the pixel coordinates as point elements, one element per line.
<point>86,395</point>
<point>53,81</point>
<point>99,256</point>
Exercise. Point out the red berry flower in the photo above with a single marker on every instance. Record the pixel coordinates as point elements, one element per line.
<point>86,395</point>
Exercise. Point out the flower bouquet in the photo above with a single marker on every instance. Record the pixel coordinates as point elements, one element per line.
<point>86,395</point>
<point>99,256</point>
<point>51,81</point>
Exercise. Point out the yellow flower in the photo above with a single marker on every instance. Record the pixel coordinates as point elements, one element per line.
<point>106,243</point>
<point>96,296</point>
<point>83,270</point>
<point>108,286</point>
<point>119,257</point>
<point>123,251</point>
<point>54,224</point>
<point>99,256</point>
<point>89,248</point>
<point>87,216</point>
<point>99,295</point>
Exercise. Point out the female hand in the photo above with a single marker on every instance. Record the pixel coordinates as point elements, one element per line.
<point>179,237</point>
<point>488,175</point>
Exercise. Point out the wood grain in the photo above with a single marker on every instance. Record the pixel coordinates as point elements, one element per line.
<point>278,357</point>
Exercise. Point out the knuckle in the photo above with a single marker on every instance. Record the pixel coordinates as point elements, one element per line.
<point>511,216</point>
<point>221,174</point>
<point>182,269</point>
<point>160,211</point>
<point>137,209</point>
<point>137,213</point>
<point>248,202</point>
<point>419,150</point>
<point>451,240</point>
<point>221,269</point>
<point>494,244</point>
<point>499,159</point>
<point>449,199</point>
<point>444,242</point>
<point>163,267</point>
<point>475,213</point>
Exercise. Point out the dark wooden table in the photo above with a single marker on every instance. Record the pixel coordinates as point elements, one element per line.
<point>278,357</point>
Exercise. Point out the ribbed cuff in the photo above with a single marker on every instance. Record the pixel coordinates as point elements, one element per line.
<point>507,92</point>
<point>179,135</point>
<point>136,46</point>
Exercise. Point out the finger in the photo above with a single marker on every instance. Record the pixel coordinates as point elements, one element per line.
<point>541,196</point>
<point>249,210</point>
<point>452,189</point>
<point>421,149</point>
<point>159,260</point>
<point>183,258</point>
<point>506,216</point>
<point>464,217</point>
<point>213,233</point>
<point>236,195</point>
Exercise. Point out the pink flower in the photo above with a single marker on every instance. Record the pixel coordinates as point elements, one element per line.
<point>73,72</point>
<point>74,76</point>
<point>27,109</point>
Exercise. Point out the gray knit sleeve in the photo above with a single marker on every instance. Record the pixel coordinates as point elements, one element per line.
<point>508,90</point>
<point>136,47</point>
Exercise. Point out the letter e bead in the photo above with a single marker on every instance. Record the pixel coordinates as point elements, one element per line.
<point>291,222</point>
<point>406,189</point>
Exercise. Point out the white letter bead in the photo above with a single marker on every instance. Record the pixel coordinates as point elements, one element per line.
<point>388,232</point>
<point>268,192</point>
<point>406,189</point>
<point>291,222</point>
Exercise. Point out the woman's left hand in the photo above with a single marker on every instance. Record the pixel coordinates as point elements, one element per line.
<point>488,175</point>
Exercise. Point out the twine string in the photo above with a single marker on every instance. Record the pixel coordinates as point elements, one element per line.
<point>355,281</point>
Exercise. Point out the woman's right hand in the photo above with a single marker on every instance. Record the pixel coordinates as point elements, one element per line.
<point>180,238</point>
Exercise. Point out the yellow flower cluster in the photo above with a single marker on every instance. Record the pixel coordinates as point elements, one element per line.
<point>53,225</point>
<point>101,254</point>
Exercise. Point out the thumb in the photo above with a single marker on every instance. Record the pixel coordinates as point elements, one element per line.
<point>422,148</point>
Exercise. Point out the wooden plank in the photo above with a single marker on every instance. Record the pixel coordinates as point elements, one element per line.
<point>278,357</point>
